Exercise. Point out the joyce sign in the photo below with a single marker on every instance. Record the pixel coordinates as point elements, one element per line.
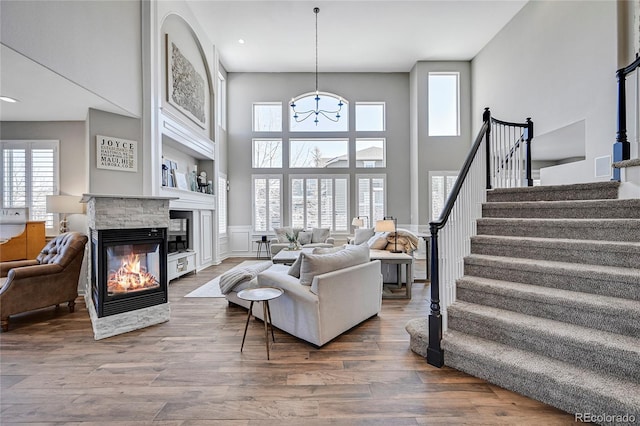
<point>116,154</point>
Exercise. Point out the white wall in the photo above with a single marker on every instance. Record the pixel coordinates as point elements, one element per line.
<point>95,44</point>
<point>554,62</point>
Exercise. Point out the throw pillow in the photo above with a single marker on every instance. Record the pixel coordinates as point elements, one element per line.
<point>281,233</point>
<point>320,235</point>
<point>362,235</point>
<point>378,241</point>
<point>317,264</point>
<point>304,237</point>
<point>294,269</point>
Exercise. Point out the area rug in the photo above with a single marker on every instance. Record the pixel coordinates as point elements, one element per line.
<point>212,288</point>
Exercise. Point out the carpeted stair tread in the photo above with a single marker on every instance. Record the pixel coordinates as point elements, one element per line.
<point>608,253</point>
<point>583,346</point>
<point>615,208</point>
<point>601,312</point>
<point>630,275</point>
<point>570,388</point>
<point>581,191</point>
<point>585,229</point>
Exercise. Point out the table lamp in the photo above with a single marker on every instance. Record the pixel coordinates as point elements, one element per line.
<point>64,204</point>
<point>357,222</point>
<point>388,224</point>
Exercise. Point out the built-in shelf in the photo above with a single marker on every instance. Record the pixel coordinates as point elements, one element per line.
<point>180,263</point>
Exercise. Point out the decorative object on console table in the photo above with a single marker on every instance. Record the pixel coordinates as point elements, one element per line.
<point>64,204</point>
<point>388,224</point>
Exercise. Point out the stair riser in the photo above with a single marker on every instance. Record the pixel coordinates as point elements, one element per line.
<point>557,195</point>
<point>558,230</point>
<point>584,255</point>
<point>573,212</point>
<point>542,388</point>
<point>623,365</point>
<point>603,286</point>
<point>620,322</point>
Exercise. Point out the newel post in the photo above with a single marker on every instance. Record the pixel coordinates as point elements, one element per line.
<point>622,147</point>
<point>528,148</point>
<point>435,354</point>
<point>486,117</point>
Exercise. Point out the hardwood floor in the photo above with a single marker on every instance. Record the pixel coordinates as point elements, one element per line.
<point>189,371</point>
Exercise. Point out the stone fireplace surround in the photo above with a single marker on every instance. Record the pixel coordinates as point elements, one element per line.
<point>124,212</point>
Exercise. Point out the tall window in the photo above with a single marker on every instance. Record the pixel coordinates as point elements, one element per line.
<point>267,202</point>
<point>441,184</point>
<point>320,201</point>
<point>306,105</point>
<point>370,116</point>
<point>267,153</point>
<point>222,204</point>
<point>29,174</point>
<point>371,196</point>
<point>267,117</point>
<point>221,113</point>
<point>444,104</point>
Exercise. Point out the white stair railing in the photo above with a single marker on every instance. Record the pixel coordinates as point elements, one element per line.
<point>491,161</point>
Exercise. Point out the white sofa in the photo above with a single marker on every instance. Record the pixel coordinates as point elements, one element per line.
<point>334,303</point>
<point>316,237</point>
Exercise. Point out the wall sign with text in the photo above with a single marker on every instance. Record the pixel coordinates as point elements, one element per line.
<point>116,154</point>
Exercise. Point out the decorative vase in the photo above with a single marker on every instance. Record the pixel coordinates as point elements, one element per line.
<point>292,245</point>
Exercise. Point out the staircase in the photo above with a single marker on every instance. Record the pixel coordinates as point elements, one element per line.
<point>549,305</point>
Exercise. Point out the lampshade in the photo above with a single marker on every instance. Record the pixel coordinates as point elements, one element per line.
<point>69,204</point>
<point>387,225</point>
<point>64,204</point>
<point>357,222</point>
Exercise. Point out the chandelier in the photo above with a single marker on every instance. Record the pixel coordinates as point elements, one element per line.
<point>300,116</point>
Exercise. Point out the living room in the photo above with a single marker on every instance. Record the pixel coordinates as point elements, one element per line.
<point>521,71</point>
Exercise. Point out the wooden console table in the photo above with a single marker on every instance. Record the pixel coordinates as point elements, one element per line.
<point>398,259</point>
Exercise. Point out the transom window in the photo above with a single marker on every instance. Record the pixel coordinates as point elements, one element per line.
<point>370,116</point>
<point>267,153</point>
<point>318,153</point>
<point>267,117</point>
<point>370,152</point>
<point>327,121</point>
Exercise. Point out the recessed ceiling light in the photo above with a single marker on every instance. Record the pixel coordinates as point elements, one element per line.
<point>8,99</point>
<point>241,41</point>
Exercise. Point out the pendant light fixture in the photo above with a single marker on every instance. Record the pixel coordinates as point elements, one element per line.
<point>300,116</point>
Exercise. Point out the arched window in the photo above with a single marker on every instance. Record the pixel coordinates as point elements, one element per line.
<point>327,113</point>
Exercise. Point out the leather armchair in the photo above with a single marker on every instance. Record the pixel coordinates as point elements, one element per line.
<point>49,279</point>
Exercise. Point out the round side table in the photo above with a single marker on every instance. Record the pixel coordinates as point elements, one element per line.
<point>260,294</point>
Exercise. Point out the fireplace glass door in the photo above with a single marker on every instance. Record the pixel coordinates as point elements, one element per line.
<point>132,268</point>
<point>129,269</point>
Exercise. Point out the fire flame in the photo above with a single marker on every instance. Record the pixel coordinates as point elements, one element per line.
<point>130,277</point>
